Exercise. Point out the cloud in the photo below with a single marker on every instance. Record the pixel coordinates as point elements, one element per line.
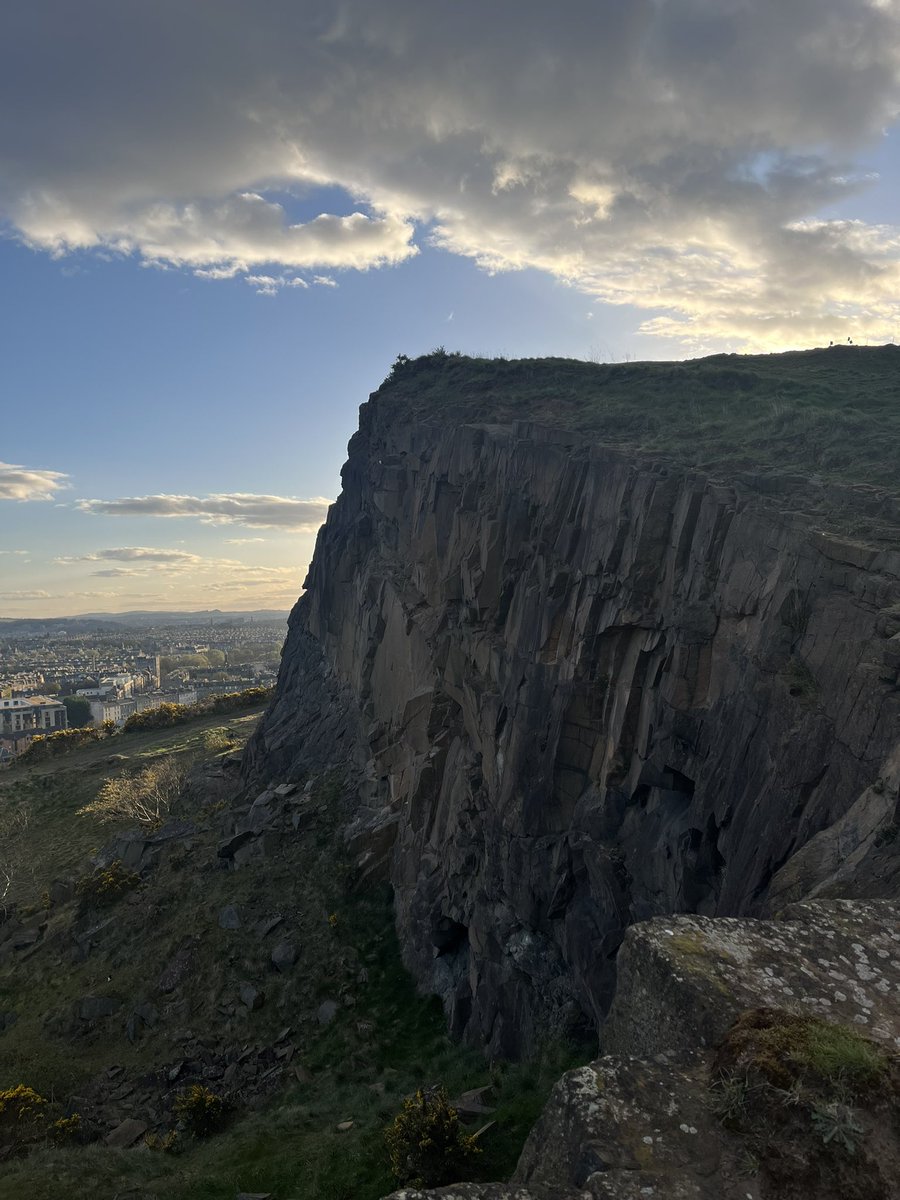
<point>33,595</point>
<point>680,157</point>
<point>244,541</point>
<point>25,483</point>
<point>221,239</point>
<point>236,508</point>
<point>211,573</point>
<point>20,552</point>
<point>147,554</point>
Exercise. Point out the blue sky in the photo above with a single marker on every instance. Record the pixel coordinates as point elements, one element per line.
<point>220,227</point>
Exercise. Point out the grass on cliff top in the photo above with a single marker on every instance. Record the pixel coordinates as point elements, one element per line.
<point>833,412</point>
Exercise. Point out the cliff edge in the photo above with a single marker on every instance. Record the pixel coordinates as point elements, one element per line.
<point>599,645</point>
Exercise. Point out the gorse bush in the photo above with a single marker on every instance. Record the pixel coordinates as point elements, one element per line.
<point>201,1111</point>
<point>66,1129</point>
<point>107,884</point>
<point>62,742</point>
<point>162,717</point>
<point>22,1118</point>
<point>164,1143</point>
<point>167,715</point>
<point>426,1142</point>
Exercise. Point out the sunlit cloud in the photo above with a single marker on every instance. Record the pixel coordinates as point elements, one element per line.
<point>136,554</point>
<point>679,158</point>
<point>26,483</point>
<point>236,508</point>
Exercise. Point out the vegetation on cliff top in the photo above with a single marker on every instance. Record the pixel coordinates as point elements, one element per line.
<point>832,413</point>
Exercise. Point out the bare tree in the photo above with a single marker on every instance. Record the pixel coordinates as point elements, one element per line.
<point>14,824</point>
<point>145,797</point>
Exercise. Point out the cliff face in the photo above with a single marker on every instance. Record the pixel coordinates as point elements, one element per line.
<point>581,688</point>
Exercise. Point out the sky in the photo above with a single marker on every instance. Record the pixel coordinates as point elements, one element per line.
<point>220,224</point>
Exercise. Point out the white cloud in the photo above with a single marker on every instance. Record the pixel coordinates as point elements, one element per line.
<point>220,239</point>
<point>158,564</point>
<point>32,595</point>
<point>26,483</point>
<point>235,508</point>
<point>673,156</point>
<point>244,541</point>
<point>136,554</point>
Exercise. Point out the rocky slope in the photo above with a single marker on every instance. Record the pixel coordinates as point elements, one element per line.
<point>584,685</point>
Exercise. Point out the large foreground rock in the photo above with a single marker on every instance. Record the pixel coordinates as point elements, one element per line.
<point>683,980</point>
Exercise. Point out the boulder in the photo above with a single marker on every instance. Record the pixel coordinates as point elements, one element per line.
<point>230,845</point>
<point>264,928</point>
<point>229,917</point>
<point>682,980</point>
<point>327,1011</point>
<point>284,956</point>
<point>252,997</point>
<point>126,1134</point>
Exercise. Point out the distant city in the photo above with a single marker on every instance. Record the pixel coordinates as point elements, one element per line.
<point>58,674</point>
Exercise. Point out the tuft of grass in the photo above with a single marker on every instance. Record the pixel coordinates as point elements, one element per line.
<point>787,1047</point>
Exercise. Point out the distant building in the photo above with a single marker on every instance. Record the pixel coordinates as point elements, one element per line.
<point>173,696</point>
<point>21,718</point>
<point>110,709</point>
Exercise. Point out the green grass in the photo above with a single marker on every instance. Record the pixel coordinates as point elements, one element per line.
<point>788,1048</point>
<point>836,1052</point>
<point>830,413</point>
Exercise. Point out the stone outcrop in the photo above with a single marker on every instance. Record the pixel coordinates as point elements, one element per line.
<point>581,688</point>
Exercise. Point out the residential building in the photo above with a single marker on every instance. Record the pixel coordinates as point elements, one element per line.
<point>23,717</point>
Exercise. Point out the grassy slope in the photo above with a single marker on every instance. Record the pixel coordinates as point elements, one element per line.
<point>831,413</point>
<point>51,792</point>
<point>291,1145</point>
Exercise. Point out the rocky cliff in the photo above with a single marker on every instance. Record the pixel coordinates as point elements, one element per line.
<point>582,684</point>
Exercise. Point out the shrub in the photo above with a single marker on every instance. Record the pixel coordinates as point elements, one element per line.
<point>167,715</point>
<point>107,884</point>
<point>234,700</point>
<point>66,1129</point>
<point>162,717</point>
<point>21,1117</point>
<point>164,1143</point>
<point>426,1143</point>
<point>215,741</point>
<point>44,746</point>
<point>145,797</point>
<point>200,1110</point>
